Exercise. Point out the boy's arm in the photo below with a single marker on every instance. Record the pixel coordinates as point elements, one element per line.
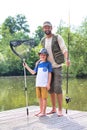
<point>28,68</point>
<point>49,80</point>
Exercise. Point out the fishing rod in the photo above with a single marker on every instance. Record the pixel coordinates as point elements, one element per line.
<point>67,98</point>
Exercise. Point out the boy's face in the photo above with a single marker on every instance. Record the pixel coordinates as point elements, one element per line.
<point>43,57</point>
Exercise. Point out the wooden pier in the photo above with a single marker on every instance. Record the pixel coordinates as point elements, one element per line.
<point>17,119</point>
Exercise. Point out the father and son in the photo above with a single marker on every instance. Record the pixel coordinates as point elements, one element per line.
<point>49,70</point>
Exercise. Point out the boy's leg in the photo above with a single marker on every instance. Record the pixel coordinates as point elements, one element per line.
<point>44,94</point>
<point>38,94</point>
<point>52,95</point>
<point>41,104</point>
<point>44,102</point>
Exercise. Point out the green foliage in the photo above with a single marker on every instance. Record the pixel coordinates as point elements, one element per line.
<point>33,57</point>
<point>38,34</point>
<point>15,24</point>
<point>83,28</point>
<point>77,45</point>
<point>15,28</point>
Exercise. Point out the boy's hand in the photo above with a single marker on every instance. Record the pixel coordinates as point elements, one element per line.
<point>25,64</point>
<point>48,87</point>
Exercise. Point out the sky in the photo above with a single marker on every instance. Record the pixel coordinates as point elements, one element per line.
<point>38,11</point>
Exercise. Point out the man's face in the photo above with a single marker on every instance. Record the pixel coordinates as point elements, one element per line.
<point>47,29</point>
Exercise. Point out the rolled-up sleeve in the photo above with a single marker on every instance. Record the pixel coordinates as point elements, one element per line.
<point>62,44</point>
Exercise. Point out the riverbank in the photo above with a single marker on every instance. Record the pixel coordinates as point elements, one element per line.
<point>12,94</point>
<point>17,119</point>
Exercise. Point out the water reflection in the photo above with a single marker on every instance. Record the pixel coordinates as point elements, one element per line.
<point>12,94</point>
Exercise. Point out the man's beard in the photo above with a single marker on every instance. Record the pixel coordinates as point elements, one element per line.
<point>48,32</point>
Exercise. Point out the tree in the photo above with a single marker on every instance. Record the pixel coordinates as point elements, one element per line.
<point>11,29</point>
<point>21,23</point>
<point>38,34</point>
<point>15,24</point>
<point>10,64</point>
<point>77,49</point>
<point>83,28</point>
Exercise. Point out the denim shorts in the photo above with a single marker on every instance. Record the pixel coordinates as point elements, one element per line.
<point>56,83</point>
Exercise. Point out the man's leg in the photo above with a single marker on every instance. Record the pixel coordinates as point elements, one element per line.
<point>53,101</point>
<point>60,101</point>
<point>58,89</point>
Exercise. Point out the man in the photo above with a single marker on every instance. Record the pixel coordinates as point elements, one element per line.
<point>57,53</point>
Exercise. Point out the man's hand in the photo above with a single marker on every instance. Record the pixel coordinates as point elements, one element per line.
<point>67,62</point>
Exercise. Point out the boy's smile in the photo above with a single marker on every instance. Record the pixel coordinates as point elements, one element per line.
<point>43,57</point>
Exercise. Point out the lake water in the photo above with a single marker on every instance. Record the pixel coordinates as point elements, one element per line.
<point>12,93</point>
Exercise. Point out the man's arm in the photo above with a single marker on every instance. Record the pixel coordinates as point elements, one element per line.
<point>67,60</point>
<point>64,50</point>
<point>62,44</point>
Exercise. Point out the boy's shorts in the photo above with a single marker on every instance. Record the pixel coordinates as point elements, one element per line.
<point>56,84</point>
<point>41,92</point>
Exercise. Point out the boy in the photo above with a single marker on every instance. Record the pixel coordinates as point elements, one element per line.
<point>43,69</point>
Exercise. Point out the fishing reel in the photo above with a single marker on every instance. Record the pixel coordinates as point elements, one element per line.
<point>68,99</point>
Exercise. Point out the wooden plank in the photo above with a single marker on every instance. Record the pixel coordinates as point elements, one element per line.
<point>18,120</point>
